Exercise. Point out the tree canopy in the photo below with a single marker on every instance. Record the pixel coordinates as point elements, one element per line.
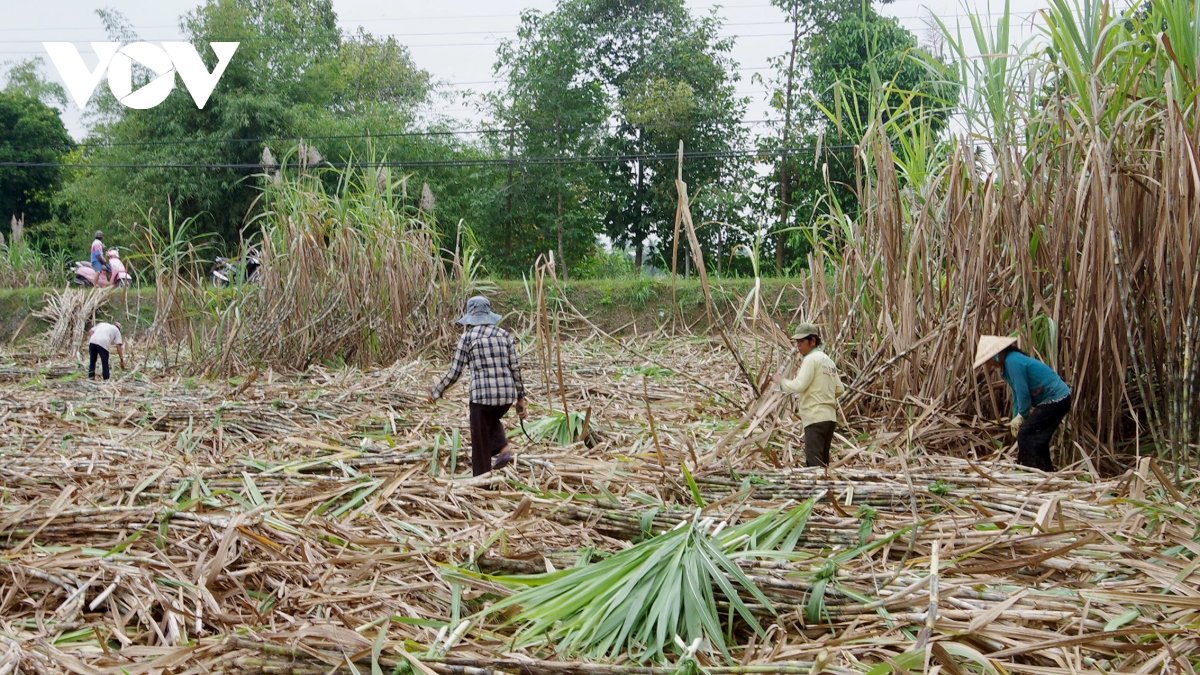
<point>628,81</point>
<point>847,65</point>
<point>30,132</point>
<point>578,146</point>
<point>295,76</point>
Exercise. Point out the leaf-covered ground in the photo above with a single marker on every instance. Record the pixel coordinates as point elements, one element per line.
<point>302,523</point>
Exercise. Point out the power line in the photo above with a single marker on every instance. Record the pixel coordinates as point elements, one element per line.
<point>452,17</point>
<point>500,161</point>
<point>401,134</point>
<point>400,35</point>
<point>462,17</point>
<point>468,44</point>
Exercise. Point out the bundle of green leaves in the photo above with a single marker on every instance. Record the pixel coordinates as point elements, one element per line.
<point>638,601</point>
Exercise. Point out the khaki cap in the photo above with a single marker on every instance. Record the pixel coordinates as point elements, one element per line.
<point>991,345</point>
<point>804,330</point>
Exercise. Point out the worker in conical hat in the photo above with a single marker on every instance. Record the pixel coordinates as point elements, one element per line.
<point>1041,399</point>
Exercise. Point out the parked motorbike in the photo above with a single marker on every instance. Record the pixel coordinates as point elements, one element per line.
<point>227,271</point>
<point>116,274</point>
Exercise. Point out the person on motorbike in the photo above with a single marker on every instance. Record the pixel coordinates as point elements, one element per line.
<point>98,261</point>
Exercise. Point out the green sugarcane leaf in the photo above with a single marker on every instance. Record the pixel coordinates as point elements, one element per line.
<point>715,555</point>
<point>119,548</point>
<point>1122,619</point>
<point>704,606</point>
<point>646,520</point>
<point>358,499</point>
<point>632,603</point>
<point>691,481</point>
<point>252,491</point>
<point>964,652</point>
<point>185,484</point>
<point>424,623</point>
<point>815,607</point>
<point>851,554</point>
<point>867,516</point>
<point>730,592</point>
<point>147,483</point>
<point>377,650</point>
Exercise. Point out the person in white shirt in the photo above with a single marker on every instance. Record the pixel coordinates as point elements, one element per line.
<point>101,339</point>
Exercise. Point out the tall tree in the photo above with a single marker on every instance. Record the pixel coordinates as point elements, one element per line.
<point>672,79</point>
<point>842,71</point>
<point>805,18</point>
<point>551,113</point>
<point>657,75</point>
<point>866,65</point>
<point>25,77</point>
<point>30,132</point>
<point>295,75</point>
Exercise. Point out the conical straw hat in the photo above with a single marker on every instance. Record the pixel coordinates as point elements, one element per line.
<point>989,346</point>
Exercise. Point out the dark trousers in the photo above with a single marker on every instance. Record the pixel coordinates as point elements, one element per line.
<point>1033,439</point>
<point>487,435</point>
<point>93,352</point>
<point>817,438</point>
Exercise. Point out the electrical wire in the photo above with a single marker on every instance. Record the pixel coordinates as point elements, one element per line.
<point>414,18</point>
<point>499,161</point>
<point>401,134</point>
<point>1015,15</point>
<point>459,17</point>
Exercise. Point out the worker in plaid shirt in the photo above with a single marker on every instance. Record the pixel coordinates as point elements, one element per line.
<point>495,383</point>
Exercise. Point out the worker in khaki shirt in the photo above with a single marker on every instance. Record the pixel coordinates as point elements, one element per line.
<point>818,386</point>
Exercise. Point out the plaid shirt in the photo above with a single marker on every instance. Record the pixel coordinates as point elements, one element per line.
<point>495,368</point>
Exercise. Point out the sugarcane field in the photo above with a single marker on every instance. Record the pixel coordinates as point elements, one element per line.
<point>318,521</point>
<point>658,516</point>
<point>373,367</point>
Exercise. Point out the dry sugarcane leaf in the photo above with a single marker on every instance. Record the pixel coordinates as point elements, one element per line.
<point>1028,560</point>
<point>1086,640</point>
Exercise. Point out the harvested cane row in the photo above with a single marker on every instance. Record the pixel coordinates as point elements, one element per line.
<point>323,540</point>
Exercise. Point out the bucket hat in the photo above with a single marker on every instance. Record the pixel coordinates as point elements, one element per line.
<point>479,313</point>
<point>991,345</point>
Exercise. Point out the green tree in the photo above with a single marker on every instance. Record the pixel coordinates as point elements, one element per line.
<point>656,75</point>
<point>858,67</point>
<point>550,113</point>
<point>868,69</point>
<point>295,75</point>
<point>25,77</point>
<point>672,80</point>
<point>866,65</point>
<point>806,18</point>
<point>30,132</point>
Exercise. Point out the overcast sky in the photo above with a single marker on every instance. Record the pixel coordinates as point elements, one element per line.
<point>454,40</point>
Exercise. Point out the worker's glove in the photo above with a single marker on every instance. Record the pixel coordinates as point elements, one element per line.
<point>1014,425</point>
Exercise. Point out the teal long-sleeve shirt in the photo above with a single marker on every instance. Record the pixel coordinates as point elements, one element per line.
<point>1033,383</point>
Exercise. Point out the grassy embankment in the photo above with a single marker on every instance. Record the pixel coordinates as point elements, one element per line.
<point>622,305</point>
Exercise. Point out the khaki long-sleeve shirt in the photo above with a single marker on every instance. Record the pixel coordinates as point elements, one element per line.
<point>818,386</point>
